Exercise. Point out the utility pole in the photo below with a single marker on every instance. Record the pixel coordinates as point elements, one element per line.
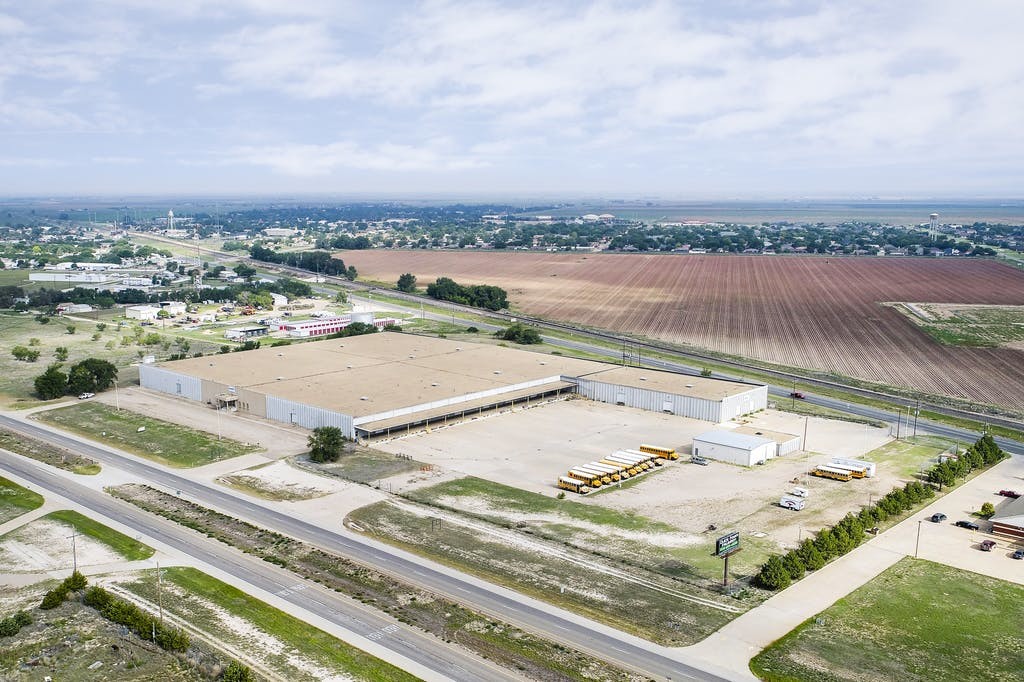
<point>806,418</point>
<point>917,545</point>
<point>160,591</point>
<point>917,411</point>
<point>74,550</point>
<point>899,422</point>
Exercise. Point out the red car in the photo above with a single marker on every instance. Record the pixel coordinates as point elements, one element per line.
<point>1009,493</point>
<point>988,545</point>
<point>796,394</point>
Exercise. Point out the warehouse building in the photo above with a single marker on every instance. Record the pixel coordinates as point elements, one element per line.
<point>1010,519</point>
<point>383,384</point>
<point>736,448</point>
<point>785,443</point>
<point>712,400</point>
<point>246,333</point>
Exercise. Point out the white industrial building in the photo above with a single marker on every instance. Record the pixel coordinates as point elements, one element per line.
<point>380,384</point>
<point>70,277</point>
<point>712,400</point>
<point>735,448</point>
<point>141,312</point>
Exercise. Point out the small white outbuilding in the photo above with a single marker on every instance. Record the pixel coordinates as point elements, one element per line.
<point>735,448</point>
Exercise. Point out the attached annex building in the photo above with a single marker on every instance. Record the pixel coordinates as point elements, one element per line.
<point>1009,520</point>
<point>381,384</point>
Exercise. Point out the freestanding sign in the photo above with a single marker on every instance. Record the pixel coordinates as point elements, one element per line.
<point>725,547</point>
<point>727,543</point>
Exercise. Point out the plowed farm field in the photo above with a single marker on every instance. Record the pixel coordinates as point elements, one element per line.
<point>824,314</point>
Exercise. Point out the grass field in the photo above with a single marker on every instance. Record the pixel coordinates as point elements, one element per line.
<point>969,325</point>
<point>49,454</point>
<point>15,500</point>
<point>909,456</point>
<point>506,499</point>
<point>364,465</point>
<point>642,602</point>
<point>299,639</point>
<point>164,442</point>
<point>917,621</point>
<point>129,548</point>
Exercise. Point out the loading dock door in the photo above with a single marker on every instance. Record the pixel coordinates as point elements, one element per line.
<point>620,398</point>
<point>667,406</point>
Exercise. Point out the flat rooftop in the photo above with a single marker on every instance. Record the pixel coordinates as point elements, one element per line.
<point>777,436</point>
<point>376,373</point>
<point>670,382</point>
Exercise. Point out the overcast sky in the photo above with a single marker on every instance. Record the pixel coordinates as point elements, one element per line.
<point>670,99</point>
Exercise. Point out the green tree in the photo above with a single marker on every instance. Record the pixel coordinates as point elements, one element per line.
<point>987,509</point>
<point>341,297</point>
<point>236,672</point>
<point>519,333</point>
<point>810,555</point>
<point>325,444</point>
<point>773,574</point>
<point>25,354</point>
<point>51,384</point>
<point>61,353</point>
<point>351,273</point>
<point>162,314</point>
<point>91,376</point>
<point>705,372</point>
<point>407,283</point>
<point>826,544</point>
<point>794,565</point>
<point>246,272</point>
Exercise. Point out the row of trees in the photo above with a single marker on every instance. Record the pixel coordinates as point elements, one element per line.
<point>983,453</point>
<point>314,261</point>
<point>519,333</point>
<point>479,295</point>
<point>781,570</point>
<point>88,376</point>
<point>135,619</point>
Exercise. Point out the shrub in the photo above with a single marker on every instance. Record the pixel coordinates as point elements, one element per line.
<point>794,565</point>
<point>12,625</point>
<point>75,582</point>
<point>55,597</point>
<point>809,554</point>
<point>236,672</point>
<point>773,574</point>
<point>987,509</point>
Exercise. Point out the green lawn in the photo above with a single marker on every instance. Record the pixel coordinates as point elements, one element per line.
<point>129,548</point>
<point>299,637</point>
<point>916,621</point>
<point>171,444</point>
<point>15,500</point>
<point>503,498</point>
<point>909,456</point>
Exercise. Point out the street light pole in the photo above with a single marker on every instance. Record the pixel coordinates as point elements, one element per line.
<point>899,422</point>
<point>74,551</point>
<point>917,545</point>
<point>917,411</point>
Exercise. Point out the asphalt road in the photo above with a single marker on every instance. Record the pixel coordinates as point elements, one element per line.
<point>481,597</point>
<point>447,661</point>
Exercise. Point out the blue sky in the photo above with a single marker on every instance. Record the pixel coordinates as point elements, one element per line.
<point>724,99</point>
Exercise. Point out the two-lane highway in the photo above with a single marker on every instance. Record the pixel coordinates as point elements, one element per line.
<point>549,622</point>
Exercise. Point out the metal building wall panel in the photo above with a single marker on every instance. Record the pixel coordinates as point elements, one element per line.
<point>744,403</point>
<point>653,401</point>
<point>291,412</point>
<point>174,383</point>
<point>789,446</point>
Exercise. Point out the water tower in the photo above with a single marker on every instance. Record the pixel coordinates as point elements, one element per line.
<point>170,220</point>
<point>933,221</point>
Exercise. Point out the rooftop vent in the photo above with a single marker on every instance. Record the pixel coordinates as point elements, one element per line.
<point>348,366</point>
<point>280,355</point>
<point>689,385</point>
<point>280,378</point>
<point>363,397</point>
<point>643,378</point>
<point>497,371</point>
<point>433,383</point>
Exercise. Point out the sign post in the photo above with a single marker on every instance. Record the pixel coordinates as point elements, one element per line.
<point>725,547</point>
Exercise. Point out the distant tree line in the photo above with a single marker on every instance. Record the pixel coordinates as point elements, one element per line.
<point>478,295</point>
<point>781,570</point>
<point>519,333</point>
<point>313,261</point>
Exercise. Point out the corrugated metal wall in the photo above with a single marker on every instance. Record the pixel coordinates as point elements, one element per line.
<point>744,403</point>
<point>166,381</point>
<point>789,446</point>
<point>291,412</point>
<point>654,401</point>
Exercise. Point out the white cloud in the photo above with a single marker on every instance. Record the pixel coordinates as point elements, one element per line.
<point>322,159</point>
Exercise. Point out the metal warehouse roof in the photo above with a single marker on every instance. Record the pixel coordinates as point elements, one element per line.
<point>777,436</point>
<point>671,382</point>
<point>1012,513</point>
<point>731,439</point>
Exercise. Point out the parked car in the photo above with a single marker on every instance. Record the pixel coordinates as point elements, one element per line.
<point>1009,493</point>
<point>938,517</point>
<point>699,460</point>
<point>971,525</point>
<point>85,396</point>
<point>1019,554</point>
<point>987,545</point>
